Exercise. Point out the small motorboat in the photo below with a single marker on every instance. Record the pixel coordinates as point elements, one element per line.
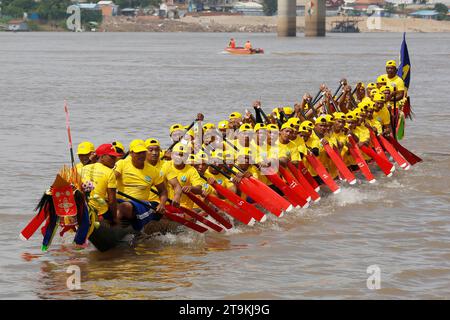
<point>242,50</point>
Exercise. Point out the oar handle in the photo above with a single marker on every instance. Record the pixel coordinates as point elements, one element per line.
<point>132,198</point>
<point>66,110</point>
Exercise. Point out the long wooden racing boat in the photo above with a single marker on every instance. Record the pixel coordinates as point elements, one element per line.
<point>241,50</point>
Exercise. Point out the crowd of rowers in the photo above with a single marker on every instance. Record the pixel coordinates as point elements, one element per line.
<point>250,142</point>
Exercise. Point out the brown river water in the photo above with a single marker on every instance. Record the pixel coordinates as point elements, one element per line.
<point>135,85</point>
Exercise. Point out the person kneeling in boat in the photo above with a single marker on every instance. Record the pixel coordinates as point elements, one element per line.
<point>232,43</point>
<point>248,45</point>
<point>103,197</point>
<point>135,178</point>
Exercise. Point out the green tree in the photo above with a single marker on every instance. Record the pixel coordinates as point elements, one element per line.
<point>53,10</point>
<point>270,7</point>
<point>16,8</point>
<point>442,11</point>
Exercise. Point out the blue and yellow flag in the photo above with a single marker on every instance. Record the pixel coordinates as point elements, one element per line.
<point>404,71</point>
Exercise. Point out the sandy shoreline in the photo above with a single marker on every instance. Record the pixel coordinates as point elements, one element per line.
<point>256,24</point>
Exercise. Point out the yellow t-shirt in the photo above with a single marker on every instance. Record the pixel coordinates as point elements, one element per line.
<point>79,166</point>
<point>103,179</point>
<point>397,81</point>
<point>383,116</point>
<point>137,182</point>
<point>288,150</point>
<point>363,133</point>
<point>166,174</point>
<point>187,176</point>
<point>220,178</point>
<point>300,144</point>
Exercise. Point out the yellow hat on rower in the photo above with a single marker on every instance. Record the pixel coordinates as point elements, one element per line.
<point>259,126</point>
<point>287,125</point>
<point>386,88</point>
<point>118,146</point>
<point>379,97</point>
<point>308,124</point>
<point>288,110</point>
<point>223,124</point>
<point>245,127</point>
<point>85,147</point>
<point>321,120</point>
<point>235,115</point>
<point>152,142</point>
<point>192,159</point>
<point>294,121</point>
<point>180,148</point>
<point>382,79</point>
<point>208,126</point>
<point>303,129</point>
<point>361,104</point>
<point>339,116</point>
<point>329,118</point>
<point>176,127</point>
<point>137,146</point>
<point>391,63</point>
<point>272,127</point>
<point>371,85</point>
<point>350,116</point>
<point>370,105</point>
<point>374,92</point>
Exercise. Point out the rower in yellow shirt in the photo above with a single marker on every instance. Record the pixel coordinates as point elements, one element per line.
<point>285,149</point>
<point>187,176</point>
<point>136,177</point>
<point>381,112</point>
<point>103,197</point>
<point>86,154</point>
<point>154,158</point>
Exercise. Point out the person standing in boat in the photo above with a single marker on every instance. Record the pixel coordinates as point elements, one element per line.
<point>136,177</point>
<point>103,197</point>
<point>232,43</point>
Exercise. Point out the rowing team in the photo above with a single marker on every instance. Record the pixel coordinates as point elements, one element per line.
<point>275,161</point>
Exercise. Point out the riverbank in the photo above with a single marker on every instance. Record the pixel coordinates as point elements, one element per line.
<point>256,24</point>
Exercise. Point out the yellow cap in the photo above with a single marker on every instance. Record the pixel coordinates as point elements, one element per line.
<point>379,97</point>
<point>361,104</point>
<point>288,110</point>
<point>85,147</point>
<point>370,105</point>
<point>208,126</point>
<point>192,159</point>
<point>235,115</point>
<point>272,127</point>
<point>137,146</point>
<point>329,118</point>
<point>245,127</point>
<point>339,116</point>
<point>350,116</point>
<point>152,142</point>
<point>287,125</point>
<point>386,88</point>
<point>371,85</point>
<point>294,121</point>
<point>259,126</point>
<point>223,124</point>
<point>176,127</point>
<point>180,148</point>
<point>391,63</point>
<point>303,129</point>
<point>308,124</point>
<point>118,146</point>
<point>321,119</point>
<point>374,92</point>
<point>382,79</point>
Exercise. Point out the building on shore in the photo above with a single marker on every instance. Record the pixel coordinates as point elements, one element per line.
<point>108,8</point>
<point>425,14</point>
